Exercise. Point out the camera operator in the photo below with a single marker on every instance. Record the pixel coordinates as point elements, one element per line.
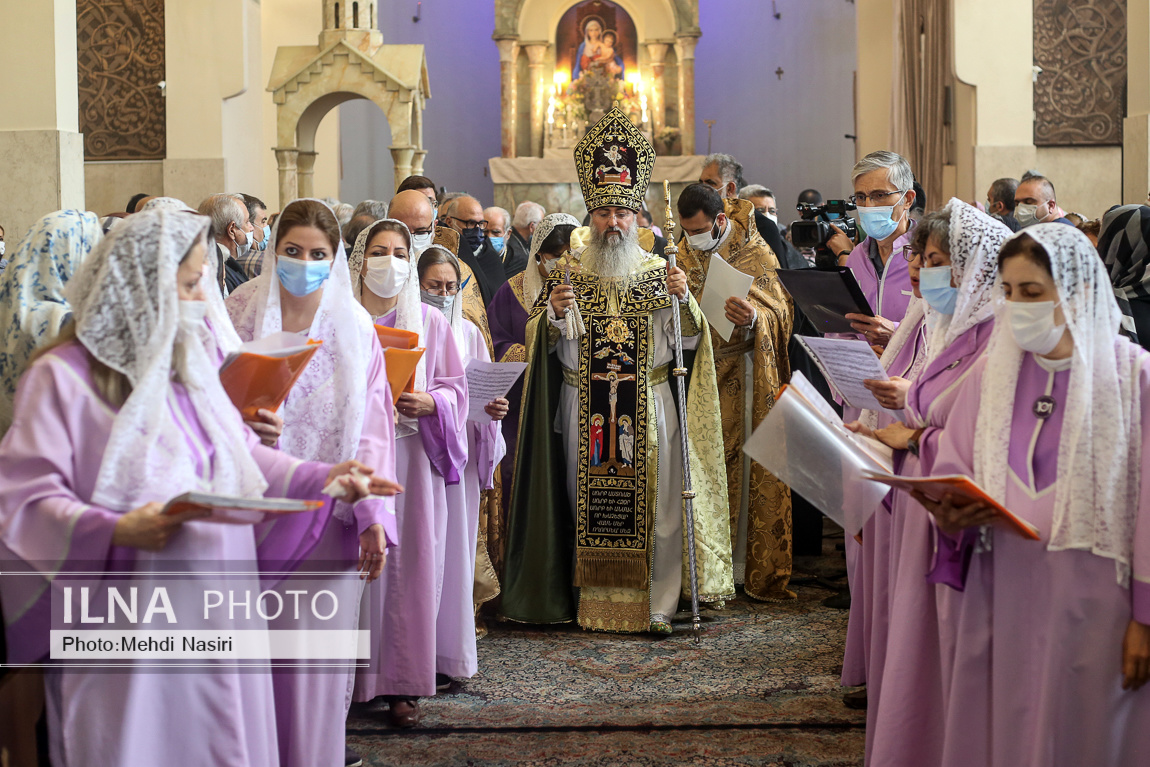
<point>884,194</point>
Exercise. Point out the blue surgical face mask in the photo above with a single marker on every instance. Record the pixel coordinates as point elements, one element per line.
<point>497,243</point>
<point>267,237</point>
<point>934,284</point>
<point>877,221</point>
<point>302,278</point>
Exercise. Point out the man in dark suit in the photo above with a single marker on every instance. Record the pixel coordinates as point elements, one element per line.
<point>475,250</point>
<point>1000,201</point>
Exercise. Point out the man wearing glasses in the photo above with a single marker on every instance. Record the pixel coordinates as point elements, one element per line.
<point>466,217</point>
<point>884,194</point>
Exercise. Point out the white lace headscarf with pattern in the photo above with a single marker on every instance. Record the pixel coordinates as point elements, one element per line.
<point>409,308</point>
<point>1100,448</point>
<point>532,279</point>
<point>974,241</point>
<point>323,415</point>
<point>126,308</point>
<point>32,303</point>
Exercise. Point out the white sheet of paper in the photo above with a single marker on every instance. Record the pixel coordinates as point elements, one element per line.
<point>723,282</point>
<point>487,381</point>
<point>847,362</point>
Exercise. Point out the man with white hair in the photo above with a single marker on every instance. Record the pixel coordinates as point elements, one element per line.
<point>498,233</point>
<point>232,232</point>
<point>600,344</point>
<point>724,174</point>
<point>884,194</point>
<point>527,217</point>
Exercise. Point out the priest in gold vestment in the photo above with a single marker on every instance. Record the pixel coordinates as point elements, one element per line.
<point>718,228</point>
<point>596,523</point>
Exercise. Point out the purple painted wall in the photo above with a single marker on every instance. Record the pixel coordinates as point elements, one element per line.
<point>787,132</point>
<point>461,123</point>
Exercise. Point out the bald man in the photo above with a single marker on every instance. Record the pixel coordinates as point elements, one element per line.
<point>466,217</point>
<point>414,209</point>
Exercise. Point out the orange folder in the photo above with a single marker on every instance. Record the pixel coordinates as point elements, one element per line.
<point>254,381</point>
<point>401,357</point>
<point>237,511</point>
<point>964,491</point>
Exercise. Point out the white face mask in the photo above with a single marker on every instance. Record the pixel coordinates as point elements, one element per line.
<point>192,314</point>
<point>773,217</point>
<point>1032,324</point>
<point>421,242</point>
<point>706,241</point>
<point>1026,215</point>
<point>242,248</point>
<point>1,247</point>
<point>386,275</point>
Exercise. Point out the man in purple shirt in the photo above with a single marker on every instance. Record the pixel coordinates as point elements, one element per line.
<point>884,194</point>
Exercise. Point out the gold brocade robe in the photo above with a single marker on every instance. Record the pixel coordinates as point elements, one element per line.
<point>769,529</point>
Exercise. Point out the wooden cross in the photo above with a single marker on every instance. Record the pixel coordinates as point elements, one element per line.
<point>779,72</point>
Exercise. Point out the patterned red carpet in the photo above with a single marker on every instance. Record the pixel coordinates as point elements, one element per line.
<point>762,689</point>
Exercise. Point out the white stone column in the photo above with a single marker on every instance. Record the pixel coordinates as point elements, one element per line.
<point>287,161</point>
<point>417,162</point>
<point>41,148</point>
<point>305,171</point>
<point>1136,127</point>
<point>685,47</point>
<point>535,56</point>
<point>508,98</point>
<point>402,156</point>
<point>657,54</point>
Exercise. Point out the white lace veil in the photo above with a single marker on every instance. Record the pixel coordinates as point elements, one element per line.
<point>126,308</point>
<point>975,239</point>
<point>318,425</point>
<point>532,279</point>
<point>409,310</point>
<point>1100,449</point>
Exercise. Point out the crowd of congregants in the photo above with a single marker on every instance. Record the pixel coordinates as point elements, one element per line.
<point>1008,328</point>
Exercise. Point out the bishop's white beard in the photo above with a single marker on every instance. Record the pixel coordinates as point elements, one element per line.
<point>613,258</point>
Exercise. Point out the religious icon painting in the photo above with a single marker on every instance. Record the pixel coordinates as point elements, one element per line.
<point>596,38</point>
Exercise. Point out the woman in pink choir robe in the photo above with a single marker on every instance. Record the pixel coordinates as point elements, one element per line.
<point>959,246</point>
<point>1053,648</point>
<point>339,409</point>
<point>903,359</point>
<point>130,374</point>
<point>431,452</point>
<point>439,279</point>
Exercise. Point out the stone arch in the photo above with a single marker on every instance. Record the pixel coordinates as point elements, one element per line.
<point>307,82</point>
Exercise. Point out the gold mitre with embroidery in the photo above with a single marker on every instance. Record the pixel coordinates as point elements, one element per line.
<point>614,162</point>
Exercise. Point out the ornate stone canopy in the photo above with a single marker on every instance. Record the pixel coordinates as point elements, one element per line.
<point>350,62</point>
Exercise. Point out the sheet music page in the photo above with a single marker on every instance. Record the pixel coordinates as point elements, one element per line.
<point>487,381</point>
<point>847,362</point>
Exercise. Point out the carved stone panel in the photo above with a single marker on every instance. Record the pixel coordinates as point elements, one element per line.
<point>1079,97</point>
<point>120,53</point>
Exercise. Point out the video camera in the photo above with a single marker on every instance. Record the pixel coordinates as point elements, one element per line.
<point>814,229</point>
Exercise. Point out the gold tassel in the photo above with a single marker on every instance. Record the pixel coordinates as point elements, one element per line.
<point>611,571</point>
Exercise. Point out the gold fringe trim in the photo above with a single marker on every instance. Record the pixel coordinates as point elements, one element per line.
<point>611,570</point>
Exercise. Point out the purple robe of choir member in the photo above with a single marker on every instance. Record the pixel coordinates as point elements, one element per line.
<point>508,321</point>
<point>455,625</point>
<point>1034,639</point>
<point>50,459</point>
<point>869,575</point>
<point>906,667</point>
<point>405,601</point>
